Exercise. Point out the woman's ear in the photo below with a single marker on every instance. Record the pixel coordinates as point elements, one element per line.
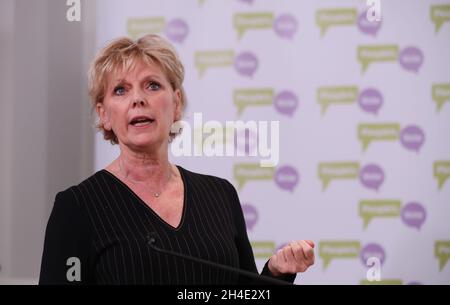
<point>103,116</point>
<point>178,107</point>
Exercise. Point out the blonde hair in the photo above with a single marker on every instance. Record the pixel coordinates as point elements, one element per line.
<point>121,55</point>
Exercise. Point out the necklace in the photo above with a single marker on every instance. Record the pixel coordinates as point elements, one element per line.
<point>156,194</point>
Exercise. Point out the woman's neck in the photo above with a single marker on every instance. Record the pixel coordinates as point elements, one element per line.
<point>143,167</point>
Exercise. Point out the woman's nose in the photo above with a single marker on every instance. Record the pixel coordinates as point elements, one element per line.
<point>139,102</point>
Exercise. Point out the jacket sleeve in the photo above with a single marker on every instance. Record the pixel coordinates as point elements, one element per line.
<point>246,257</point>
<point>65,258</point>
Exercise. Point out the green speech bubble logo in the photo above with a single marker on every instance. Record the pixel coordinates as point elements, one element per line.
<point>329,171</point>
<point>370,209</point>
<point>137,27</point>
<point>442,252</point>
<point>327,96</point>
<point>441,171</point>
<point>336,249</point>
<point>441,94</point>
<point>263,249</point>
<point>210,59</point>
<point>252,97</point>
<point>327,18</point>
<point>439,14</point>
<point>368,133</point>
<point>368,54</point>
<point>382,282</point>
<point>249,21</point>
<point>244,172</point>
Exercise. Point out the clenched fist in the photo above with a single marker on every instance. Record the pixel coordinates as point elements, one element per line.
<point>296,257</point>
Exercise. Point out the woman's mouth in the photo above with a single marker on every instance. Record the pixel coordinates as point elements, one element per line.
<point>141,121</point>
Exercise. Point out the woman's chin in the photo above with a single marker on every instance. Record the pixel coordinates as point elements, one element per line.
<point>145,142</point>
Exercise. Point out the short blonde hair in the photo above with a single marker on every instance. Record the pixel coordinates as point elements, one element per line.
<point>121,55</point>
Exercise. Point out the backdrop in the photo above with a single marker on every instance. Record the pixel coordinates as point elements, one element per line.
<point>364,119</point>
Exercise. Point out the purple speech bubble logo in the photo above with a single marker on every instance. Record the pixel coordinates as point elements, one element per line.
<point>287,178</point>
<point>372,250</point>
<point>177,30</point>
<point>250,215</point>
<point>411,59</point>
<point>371,176</point>
<point>370,100</point>
<point>286,102</point>
<point>368,27</point>
<point>414,215</point>
<point>246,141</point>
<point>246,64</point>
<point>285,26</point>
<point>412,137</point>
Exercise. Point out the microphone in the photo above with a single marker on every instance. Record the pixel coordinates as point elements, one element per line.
<point>151,241</point>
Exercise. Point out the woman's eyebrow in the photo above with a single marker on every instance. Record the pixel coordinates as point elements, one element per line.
<point>151,76</point>
<point>120,81</point>
<point>123,81</point>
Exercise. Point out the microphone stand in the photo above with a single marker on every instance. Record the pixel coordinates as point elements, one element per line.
<point>152,243</point>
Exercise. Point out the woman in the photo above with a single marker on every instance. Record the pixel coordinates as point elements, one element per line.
<point>99,230</point>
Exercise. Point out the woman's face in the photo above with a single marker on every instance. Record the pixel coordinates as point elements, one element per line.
<point>140,106</point>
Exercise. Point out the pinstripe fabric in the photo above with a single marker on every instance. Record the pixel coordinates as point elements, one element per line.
<point>106,225</point>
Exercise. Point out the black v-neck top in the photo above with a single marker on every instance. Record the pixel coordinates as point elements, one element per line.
<point>105,226</point>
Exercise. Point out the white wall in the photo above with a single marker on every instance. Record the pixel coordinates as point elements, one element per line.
<point>46,135</point>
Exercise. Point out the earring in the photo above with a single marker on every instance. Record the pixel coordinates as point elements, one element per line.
<point>176,127</point>
<point>107,126</point>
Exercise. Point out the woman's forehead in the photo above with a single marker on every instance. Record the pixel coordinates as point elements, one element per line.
<point>136,70</point>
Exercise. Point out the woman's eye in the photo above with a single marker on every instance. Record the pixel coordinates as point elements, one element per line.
<point>153,86</point>
<point>119,90</point>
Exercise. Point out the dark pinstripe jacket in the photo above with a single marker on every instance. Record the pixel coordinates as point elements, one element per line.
<point>104,227</point>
